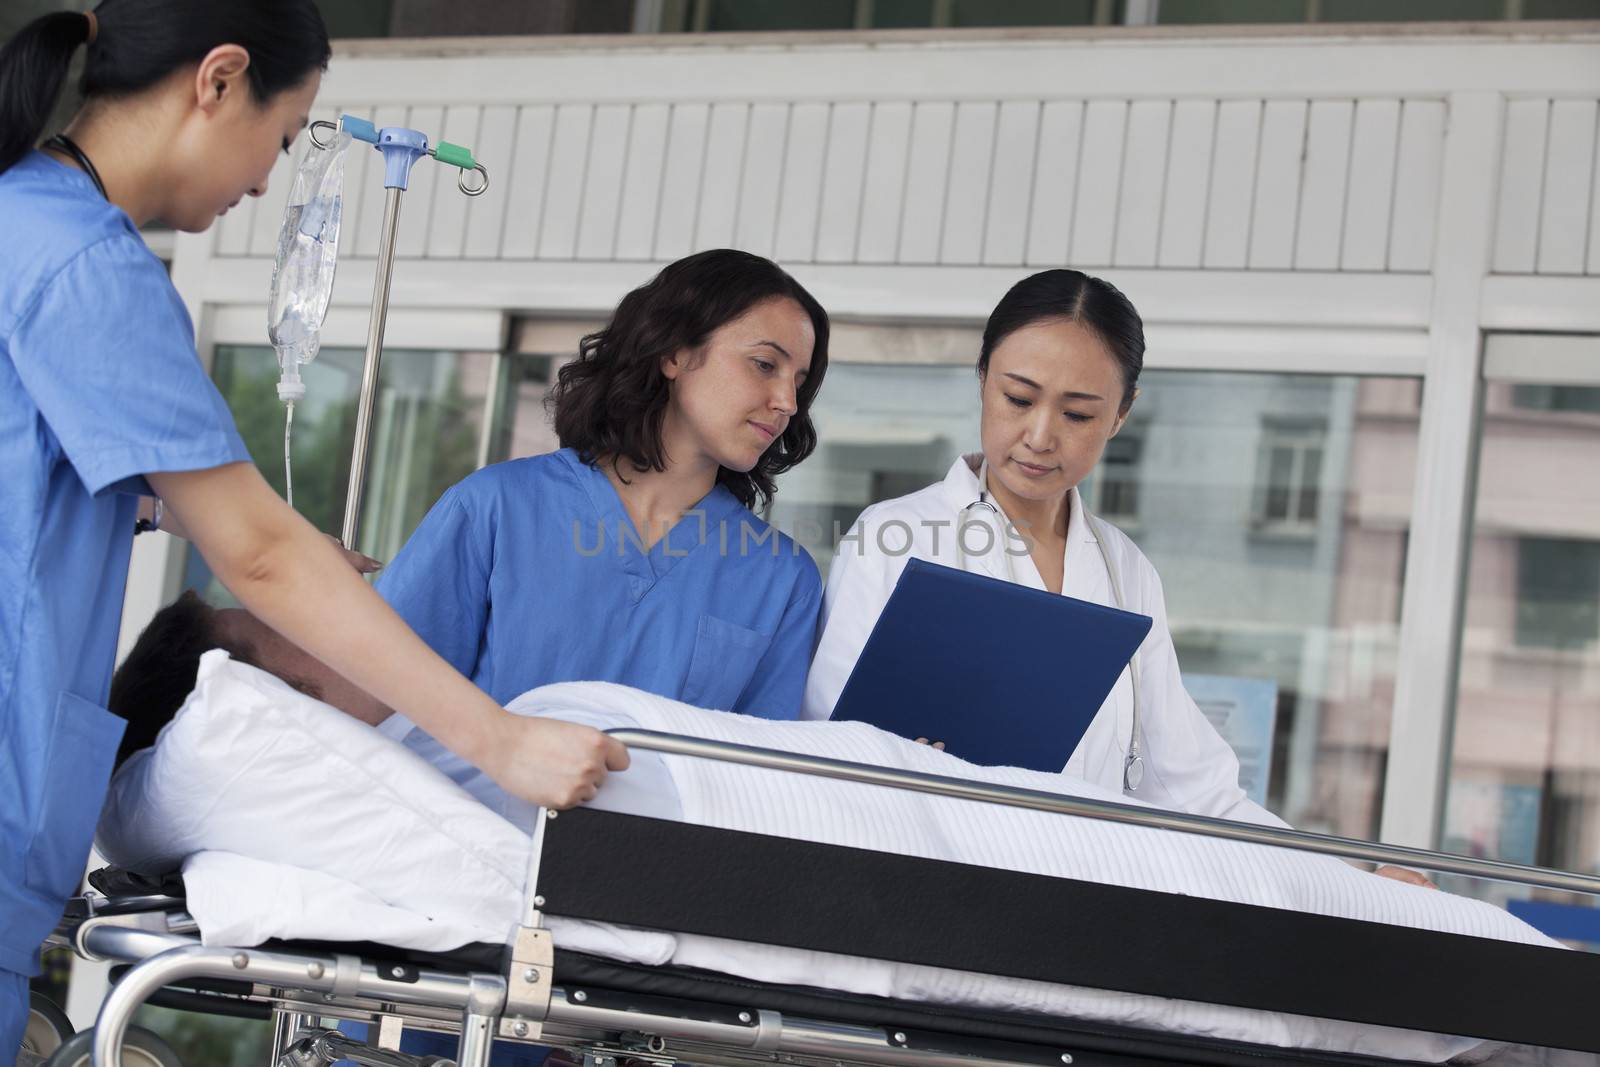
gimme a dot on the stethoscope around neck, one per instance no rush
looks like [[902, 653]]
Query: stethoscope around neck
[[1133, 764]]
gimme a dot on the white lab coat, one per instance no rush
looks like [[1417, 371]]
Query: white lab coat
[[1187, 765]]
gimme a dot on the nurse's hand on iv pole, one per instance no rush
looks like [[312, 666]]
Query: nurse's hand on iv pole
[[552, 763]]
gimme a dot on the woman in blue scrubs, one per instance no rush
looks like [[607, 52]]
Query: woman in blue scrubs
[[103, 401], [631, 555]]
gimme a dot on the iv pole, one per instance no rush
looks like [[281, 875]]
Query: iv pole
[[401, 148]]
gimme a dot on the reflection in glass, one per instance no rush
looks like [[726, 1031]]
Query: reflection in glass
[[1275, 508], [425, 437], [1525, 775]]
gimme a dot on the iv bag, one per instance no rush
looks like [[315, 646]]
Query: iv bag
[[308, 251]]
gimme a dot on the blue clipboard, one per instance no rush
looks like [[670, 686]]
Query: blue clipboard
[[1004, 675]]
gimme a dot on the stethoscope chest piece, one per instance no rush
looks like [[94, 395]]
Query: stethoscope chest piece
[[1133, 773]]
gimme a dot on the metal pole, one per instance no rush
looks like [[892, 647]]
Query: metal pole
[[369, 369], [1039, 800]]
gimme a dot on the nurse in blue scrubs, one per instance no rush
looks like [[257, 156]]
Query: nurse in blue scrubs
[[631, 555], [103, 403]]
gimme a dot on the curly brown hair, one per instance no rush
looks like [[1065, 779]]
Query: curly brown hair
[[612, 399]]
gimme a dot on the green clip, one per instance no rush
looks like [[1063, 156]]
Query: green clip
[[454, 155]]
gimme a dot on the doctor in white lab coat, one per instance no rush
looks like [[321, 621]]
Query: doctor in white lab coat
[[1058, 371]]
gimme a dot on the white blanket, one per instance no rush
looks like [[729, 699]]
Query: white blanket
[[327, 876]]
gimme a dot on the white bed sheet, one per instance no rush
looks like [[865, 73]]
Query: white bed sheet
[[326, 875]]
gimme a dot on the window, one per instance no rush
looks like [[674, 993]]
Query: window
[[1112, 491], [1558, 592], [440, 416], [1288, 476], [1525, 764], [883, 432], [1556, 398]]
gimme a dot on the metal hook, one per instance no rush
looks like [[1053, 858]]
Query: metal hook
[[474, 190], [311, 132]]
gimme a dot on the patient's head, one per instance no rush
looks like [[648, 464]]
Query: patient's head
[[159, 673]]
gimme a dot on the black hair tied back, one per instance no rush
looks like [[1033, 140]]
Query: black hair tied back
[[33, 64], [134, 44]]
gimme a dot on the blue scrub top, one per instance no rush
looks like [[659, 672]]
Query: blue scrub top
[[530, 572], [99, 385]]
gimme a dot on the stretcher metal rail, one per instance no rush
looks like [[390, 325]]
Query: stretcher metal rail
[[637, 871]]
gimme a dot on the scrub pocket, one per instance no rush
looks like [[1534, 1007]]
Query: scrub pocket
[[77, 768], [724, 661]]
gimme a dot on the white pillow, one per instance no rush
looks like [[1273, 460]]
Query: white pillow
[[253, 767]]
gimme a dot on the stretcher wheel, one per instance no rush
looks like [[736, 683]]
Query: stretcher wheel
[[140, 1048], [48, 1027]]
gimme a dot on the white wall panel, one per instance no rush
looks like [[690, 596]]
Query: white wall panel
[[1322, 192], [1568, 187], [884, 190], [842, 178], [641, 183], [1188, 185], [416, 205], [1594, 220], [447, 226], [495, 148], [764, 167], [1094, 216], [569, 172], [1416, 185], [927, 178], [802, 182], [1233, 179], [1144, 175], [1370, 201], [967, 199], [266, 214], [602, 187], [1277, 202], [724, 172], [680, 181], [1011, 182], [233, 229], [1516, 242], [1055, 183], [530, 170], [802, 195]]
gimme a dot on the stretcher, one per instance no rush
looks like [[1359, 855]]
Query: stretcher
[[635, 871]]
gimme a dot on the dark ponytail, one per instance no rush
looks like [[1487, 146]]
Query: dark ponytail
[[33, 64], [140, 42]]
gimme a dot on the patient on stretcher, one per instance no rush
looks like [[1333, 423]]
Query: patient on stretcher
[[292, 820], [158, 675]]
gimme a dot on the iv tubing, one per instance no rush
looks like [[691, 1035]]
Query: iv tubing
[[288, 468]]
